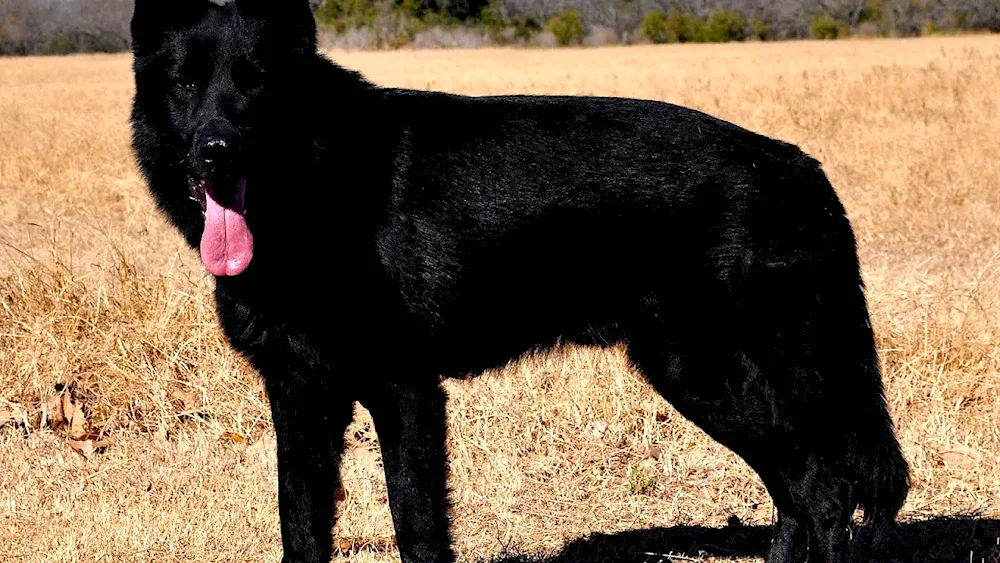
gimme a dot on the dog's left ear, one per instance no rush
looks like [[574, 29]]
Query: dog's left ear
[[290, 21]]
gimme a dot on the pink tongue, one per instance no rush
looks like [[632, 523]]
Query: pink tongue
[[226, 244]]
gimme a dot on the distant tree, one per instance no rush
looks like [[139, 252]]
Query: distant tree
[[458, 10], [567, 26], [342, 15], [683, 27], [759, 29], [464, 10], [654, 27], [825, 27], [724, 26], [906, 17]]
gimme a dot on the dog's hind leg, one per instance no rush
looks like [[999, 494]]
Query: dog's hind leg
[[309, 422], [724, 395], [410, 422], [789, 381]]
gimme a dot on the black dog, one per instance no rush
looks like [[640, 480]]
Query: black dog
[[369, 241]]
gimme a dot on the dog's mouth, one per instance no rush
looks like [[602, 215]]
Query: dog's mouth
[[197, 188], [226, 242]]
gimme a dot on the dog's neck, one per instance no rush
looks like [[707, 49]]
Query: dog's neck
[[334, 137]]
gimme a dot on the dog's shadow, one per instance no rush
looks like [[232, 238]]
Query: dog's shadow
[[945, 539]]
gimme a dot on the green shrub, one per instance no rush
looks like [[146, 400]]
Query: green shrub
[[399, 40], [59, 45], [499, 29], [437, 12], [759, 29], [654, 27], [725, 26], [525, 27], [342, 15], [871, 12], [683, 27], [411, 8], [567, 26], [960, 19], [825, 27], [491, 16], [469, 10]]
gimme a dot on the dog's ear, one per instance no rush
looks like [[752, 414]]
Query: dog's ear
[[151, 19], [291, 22]]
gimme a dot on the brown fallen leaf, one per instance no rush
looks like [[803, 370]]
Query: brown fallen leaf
[[74, 417], [189, 401], [52, 413], [66, 406], [86, 448], [340, 495], [959, 456], [232, 437]]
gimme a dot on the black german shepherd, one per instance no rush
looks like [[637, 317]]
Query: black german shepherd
[[368, 241]]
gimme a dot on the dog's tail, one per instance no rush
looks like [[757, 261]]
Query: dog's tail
[[874, 462], [880, 473]]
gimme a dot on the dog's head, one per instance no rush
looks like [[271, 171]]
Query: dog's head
[[204, 71]]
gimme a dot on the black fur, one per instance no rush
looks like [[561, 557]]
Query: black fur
[[401, 236]]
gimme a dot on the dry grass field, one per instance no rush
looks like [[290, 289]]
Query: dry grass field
[[130, 432]]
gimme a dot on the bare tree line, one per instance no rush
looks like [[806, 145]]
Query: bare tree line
[[786, 19], [64, 26]]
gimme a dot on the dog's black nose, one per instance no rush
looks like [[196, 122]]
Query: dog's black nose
[[217, 145]]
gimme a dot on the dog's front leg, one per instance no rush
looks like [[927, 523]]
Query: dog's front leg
[[410, 422], [309, 421]]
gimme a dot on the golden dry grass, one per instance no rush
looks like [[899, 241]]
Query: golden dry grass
[[100, 298]]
